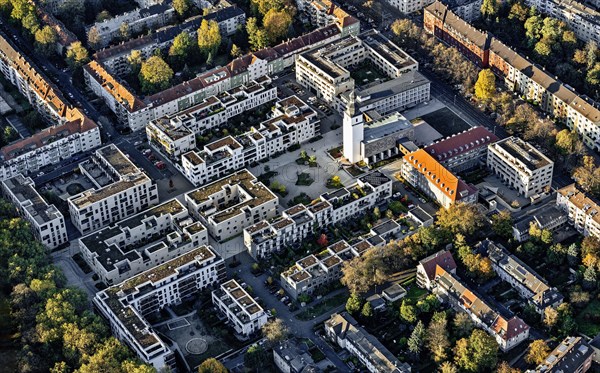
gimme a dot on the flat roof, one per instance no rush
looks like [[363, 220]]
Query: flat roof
[[385, 126], [30, 200], [524, 152]]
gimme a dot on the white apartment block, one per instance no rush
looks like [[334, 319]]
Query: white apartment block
[[583, 212], [127, 304], [296, 223], [520, 166], [425, 173], [344, 330], [229, 205], [325, 70], [175, 134], [120, 190], [469, 10], [142, 241], [523, 279], [409, 6], [136, 20], [324, 12], [582, 19], [244, 315], [291, 122], [47, 223]]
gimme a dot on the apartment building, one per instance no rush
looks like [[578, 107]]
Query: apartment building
[[120, 190], [229, 205], [47, 223], [522, 278], [520, 166], [136, 20], [322, 13], [343, 330], [426, 269], [547, 218], [425, 173], [326, 70], [582, 211], [409, 6], [582, 19], [127, 304], [243, 314], [463, 151], [573, 354], [474, 44], [291, 356], [136, 112], [469, 10], [292, 122], [142, 241]]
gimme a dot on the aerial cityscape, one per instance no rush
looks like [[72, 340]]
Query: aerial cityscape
[[299, 186]]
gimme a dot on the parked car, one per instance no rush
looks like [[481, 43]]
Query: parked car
[[422, 200]]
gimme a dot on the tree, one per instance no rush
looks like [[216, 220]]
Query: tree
[[448, 367], [103, 16], [408, 312], [437, 337], [538, 352], [94, 38], [155, 75], [212, 365], [587, 176], [45, 41], [277, 23], [135, 61], [181, 6], [124, 31], [181, 47], [235, 51], [460, 218], [255, 357], [573, 255], [550, 317], [485, 86], [502, 223], [504, 367], [367, 310], [566, 141], [376, 213], [353, 304], [462, 324], [30, 22], [533, 28], [589, 278], [275, 331], [257, 37], [416, 339], [322, 240], [77, 55], [478, 353], [489, 8], [519, 12], [264, 6], [209, 37]]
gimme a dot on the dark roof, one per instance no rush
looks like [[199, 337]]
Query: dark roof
[[442, 258], [455, 145]]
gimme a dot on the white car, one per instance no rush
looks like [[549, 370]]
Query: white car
[[137, 143]]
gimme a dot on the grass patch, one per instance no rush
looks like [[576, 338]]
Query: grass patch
[[324, 306], [588, 319], [304, 179], [415, 293]]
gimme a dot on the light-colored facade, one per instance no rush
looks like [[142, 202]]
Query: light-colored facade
[[344, 330], [127, 304], [548, 218], [243, 314], [120, 190], [409, 6], [292, 122], [521, 166], [47, 223], [325, 12], [425, 173], [573, 354], [141, 242], [229, 205], [427, 268], [582, 211]]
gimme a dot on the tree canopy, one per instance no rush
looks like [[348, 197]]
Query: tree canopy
[[77, 55], [212, 365], [209, 37], [485, 86], [277, 23], [477, 353], [155, 75]]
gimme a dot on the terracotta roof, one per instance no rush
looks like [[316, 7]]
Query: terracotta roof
[[508, 329], [581, 201], [442, 259], [114, 87], [455, 145], [438, 175]]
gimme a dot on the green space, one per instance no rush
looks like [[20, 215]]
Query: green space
[[588, 320], [8, 346], [366, 73], [322, 307], [446, 122]]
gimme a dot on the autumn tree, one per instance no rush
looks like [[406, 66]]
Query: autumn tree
[[437, 337], [489, 8], [235, 51], [275, 331], [182, 6], [461, 218], [155, 75], [538, 352], [502, 223], [462, 325], [485, 86], [77, 55], [504, 367], [135, 61], [257, 37], [587, 175], [124, 31], [93, 38], [212, 365], [45, 41], [264, 6], [181, 47], [277, 23], [209, 37], [448, 367], [477, 353]]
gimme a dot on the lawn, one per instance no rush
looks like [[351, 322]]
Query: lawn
[[588, 320], [415, 293], [324, 306], [446, 122]]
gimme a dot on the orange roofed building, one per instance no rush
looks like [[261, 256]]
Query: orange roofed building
[[425, 173]]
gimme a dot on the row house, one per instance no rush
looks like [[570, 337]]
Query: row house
[[127, 305], [142, 241], [582, 210], [47, 223], [424, 172], [573, 354], [120, 190], [229, 205], [426, 269], [243, 314]]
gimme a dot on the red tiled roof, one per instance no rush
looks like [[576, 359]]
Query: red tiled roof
[[463, 142], [511, 328], [442, 259]]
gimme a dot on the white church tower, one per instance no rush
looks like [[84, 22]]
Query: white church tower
[[353, 131]]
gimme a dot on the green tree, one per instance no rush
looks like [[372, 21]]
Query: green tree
[[462, 325], [181, 47], [155, 75], [181, 6], [533, 28], [478, 353], [485, 87], [45, 41], [257, 37], [276, 24], [589, 278], [31, 23], [460, 218], [255, 357], [408, 312], [502, 223], [212, 365], [367, 310], [209, 37], [77, 55], [353, 304], [538, 352], [416, 339]]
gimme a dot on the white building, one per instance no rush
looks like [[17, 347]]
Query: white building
[[427, 268], [409, 6], [47, 223], [291, 122], [244, 315], [127, 304], [425, 173], [141, 242], [573, 354], [521, 166], [344, 331], [229, 205], [120, 190], [324, 12], [582, 210]]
